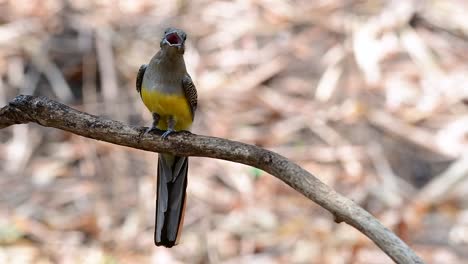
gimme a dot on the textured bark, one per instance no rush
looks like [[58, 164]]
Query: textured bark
[[40, 110]]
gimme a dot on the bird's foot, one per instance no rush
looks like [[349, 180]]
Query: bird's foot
[[147, 131], [165, 134]]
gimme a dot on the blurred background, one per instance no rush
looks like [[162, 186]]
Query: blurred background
[[369, 96]]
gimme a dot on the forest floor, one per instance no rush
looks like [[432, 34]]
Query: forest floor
[[369, 96]]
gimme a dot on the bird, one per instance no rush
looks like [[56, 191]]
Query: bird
[[167, 90]]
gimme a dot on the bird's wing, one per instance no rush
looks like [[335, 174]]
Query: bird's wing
[[139, 79], [190, 93]]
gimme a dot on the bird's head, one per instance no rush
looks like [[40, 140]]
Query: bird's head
[[173, 41]]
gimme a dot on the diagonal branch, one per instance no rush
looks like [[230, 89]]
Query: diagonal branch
[[24, 109]]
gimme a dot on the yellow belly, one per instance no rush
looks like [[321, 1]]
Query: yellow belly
[[167, 105]]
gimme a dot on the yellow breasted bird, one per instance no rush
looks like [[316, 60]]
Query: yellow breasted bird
[[170, 95]]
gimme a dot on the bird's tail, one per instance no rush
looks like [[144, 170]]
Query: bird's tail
[[170, 199]]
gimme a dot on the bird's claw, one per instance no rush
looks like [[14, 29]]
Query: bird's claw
[[165, 134], [148, 130]]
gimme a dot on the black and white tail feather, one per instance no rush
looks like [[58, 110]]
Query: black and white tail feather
[[170, 200]]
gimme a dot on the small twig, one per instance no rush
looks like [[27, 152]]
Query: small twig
[[391, 189], [437, 189], [258, 76], [55, 77], [10, 32], [410, 133], [106, 63], [437, 19], [24, 109]]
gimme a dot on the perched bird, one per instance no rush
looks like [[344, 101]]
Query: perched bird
[[169, 94]]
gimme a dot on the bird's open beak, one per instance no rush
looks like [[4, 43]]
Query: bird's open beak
[[173, 39]]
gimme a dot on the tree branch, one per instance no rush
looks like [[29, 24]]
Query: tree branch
[[24, 109]]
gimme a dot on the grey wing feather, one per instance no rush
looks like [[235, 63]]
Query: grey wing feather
[[139, 79], [190, 93]]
